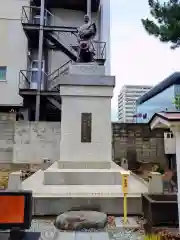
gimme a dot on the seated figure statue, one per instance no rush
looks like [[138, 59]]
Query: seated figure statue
[[86, 34]]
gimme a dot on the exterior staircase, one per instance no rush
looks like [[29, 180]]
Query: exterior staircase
[[58, 38], [54, 77], [54, 38]]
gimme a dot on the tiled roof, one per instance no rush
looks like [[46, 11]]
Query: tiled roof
[[170, 115]]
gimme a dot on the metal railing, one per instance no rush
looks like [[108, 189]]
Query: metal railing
[[99, 50], [25, 77], [31, 15], [53, 78], [24, 82], [64, 38]]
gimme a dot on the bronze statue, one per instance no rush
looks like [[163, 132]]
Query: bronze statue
[[86, 33]]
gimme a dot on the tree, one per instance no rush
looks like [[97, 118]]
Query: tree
[[165, 23], [176, 101]]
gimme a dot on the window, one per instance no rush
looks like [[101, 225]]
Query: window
[[3, 73]]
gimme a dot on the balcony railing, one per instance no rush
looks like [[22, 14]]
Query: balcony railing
[[24, 80], [28, 79], [53, 78], [31, 15], [99, 49]]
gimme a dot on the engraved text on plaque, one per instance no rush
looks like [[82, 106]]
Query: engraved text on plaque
[[86, 122]]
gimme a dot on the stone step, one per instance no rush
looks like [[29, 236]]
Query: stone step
[[84, 165], [44, 206], [82, 177]]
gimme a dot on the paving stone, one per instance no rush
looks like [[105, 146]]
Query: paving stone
[[123, 235], [131, 223], [45, 230], [67, 236], [91, 236]]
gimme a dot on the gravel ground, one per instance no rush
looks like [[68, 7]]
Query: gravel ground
[[43, 229], [48, 231]]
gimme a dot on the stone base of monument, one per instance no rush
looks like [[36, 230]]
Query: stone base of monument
[[84, 165], [82, 177], [85, 175], [112, 205], [51, 200], [82, 173]]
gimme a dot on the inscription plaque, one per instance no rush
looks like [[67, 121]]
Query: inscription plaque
[[86, 122]]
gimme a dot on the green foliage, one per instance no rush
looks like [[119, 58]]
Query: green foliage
[[165, 23], [176, 101]]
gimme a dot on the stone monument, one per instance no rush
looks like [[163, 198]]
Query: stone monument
[[86, 146], [85, 174]]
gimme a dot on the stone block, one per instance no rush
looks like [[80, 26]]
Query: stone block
[[43, 206], [86, 69], [131, 223], [84, 165], [82, 177], [14, 182]]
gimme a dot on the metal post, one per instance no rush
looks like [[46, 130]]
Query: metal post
[[40, 56], [89, 9]]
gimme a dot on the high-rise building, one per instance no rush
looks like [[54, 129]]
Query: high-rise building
[[127, 101], [27, 37]]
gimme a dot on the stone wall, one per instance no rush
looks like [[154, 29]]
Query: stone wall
[[7, 121], [29, 142], [138, 143], [34, 142]]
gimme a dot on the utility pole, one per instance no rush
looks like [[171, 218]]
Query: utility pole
[[40, 58], [89, 9]]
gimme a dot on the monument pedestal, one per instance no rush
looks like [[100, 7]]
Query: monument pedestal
[[86, 146], [85, 171], [82, 177]]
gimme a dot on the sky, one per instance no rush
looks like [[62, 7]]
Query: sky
[[136, 57]]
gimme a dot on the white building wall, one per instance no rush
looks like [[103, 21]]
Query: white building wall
[[13, 42], [13, 49]]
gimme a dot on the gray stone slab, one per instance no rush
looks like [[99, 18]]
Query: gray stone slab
[[91, 236], [45, 230], [79, 80], [111, 205], [99, 236], [131, 222], [123, 235], [67, 236]]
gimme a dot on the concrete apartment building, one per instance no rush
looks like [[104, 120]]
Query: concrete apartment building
[[127, 101], [19, 48]]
